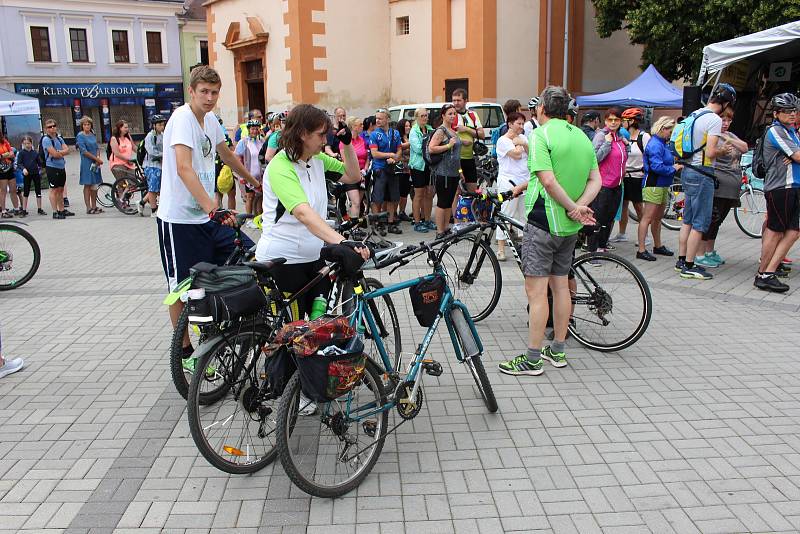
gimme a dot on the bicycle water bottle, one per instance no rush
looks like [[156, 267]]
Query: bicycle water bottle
[[318, 308]]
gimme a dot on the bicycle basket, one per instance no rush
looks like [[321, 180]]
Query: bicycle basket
[[426, 297], [223, 293]]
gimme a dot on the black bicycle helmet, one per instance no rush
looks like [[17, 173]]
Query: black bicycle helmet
[[572, 108], [157, 118], [724, 92], [533, 102], [253, 124], [785, 101]]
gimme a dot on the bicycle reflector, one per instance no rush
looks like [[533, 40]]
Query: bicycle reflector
[[233, 451]]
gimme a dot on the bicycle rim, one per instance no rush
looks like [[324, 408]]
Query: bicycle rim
[[750, 215], [123, 196], [105, 196], [612, 306], [19, 256], [313, 449], [673, 214], [236, 434], [465, 274]]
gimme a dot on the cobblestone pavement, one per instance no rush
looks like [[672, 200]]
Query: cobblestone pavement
[[693, 429]]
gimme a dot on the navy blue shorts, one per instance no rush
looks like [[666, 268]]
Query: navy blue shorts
[[182, 246]]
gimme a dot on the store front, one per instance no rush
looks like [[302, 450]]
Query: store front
[[105, 103]]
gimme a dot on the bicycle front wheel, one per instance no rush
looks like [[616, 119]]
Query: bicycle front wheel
[[330, 453], [673, 214], [475, 366], [123, 195], [465, 260], [751, 212], [105, 195], [19, 256], [612, 304], [236, 433]]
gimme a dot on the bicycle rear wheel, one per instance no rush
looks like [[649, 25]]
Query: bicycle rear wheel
[[236, 433], [124, 195], [673, 213], [105, 195], [465, 260], [19, 256], [612, 305], [751, 212], [329, 454], [181, 376]]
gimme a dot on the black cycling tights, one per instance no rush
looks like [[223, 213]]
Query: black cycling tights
[[292, 278]]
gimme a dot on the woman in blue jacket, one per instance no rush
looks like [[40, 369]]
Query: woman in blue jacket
[[659, 171]]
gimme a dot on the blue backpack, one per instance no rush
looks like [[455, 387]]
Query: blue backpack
[[681, 142]]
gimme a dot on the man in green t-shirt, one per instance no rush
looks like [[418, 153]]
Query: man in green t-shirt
[[564, 181]]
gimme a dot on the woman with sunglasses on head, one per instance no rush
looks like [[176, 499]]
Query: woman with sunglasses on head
[[422, 203], [611, 149], [447, 172]]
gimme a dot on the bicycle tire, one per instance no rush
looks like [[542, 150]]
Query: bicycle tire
[[105, 195], [673, 220], [242, 383], [632, 214], [741, 212], [123, 194], [478, 371], [372, 285], [36, 258], [289, 424], [602, 299], [461, 281], [180, 377]]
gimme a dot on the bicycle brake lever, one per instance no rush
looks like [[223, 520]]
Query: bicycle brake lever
[[400, 264]]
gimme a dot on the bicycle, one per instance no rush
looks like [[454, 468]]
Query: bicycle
[[124, 190], [330, 454], [752, 209], [612, 304], [20, 255], [105, 195], [234, 393], [673, 211]]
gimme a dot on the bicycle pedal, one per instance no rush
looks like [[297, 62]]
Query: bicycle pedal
[[432, 367], [369, 428]]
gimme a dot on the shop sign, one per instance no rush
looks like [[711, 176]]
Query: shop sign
[[88, 90]]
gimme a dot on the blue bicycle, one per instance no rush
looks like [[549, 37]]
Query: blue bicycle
[[330, 453]]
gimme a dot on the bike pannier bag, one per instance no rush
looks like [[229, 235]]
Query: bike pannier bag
[[223, 293], [426, 298], [279, 367]]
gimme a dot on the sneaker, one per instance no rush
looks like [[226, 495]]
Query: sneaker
[[67, 213], [190, 365], [154, 214], [442, 234], [430, 224], [715, 257], [11, 366], [394, 229], [662, 251], [782, 271], [421, 227], [705, 262], [646, 256], [521, 365], [306, 406], [770, 283], [405, 218], [66, 202], [58, 215], [501, 255], [680, 265], [697, 272], [40, 211], [140, 209], [558, 359], [787, 261], [619, 238], [381, 229]]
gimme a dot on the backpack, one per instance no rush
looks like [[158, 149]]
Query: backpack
[[108, 150], [681, 142], [431, 159], [42, 154], [496, 134], [759, 165], [141, 152]]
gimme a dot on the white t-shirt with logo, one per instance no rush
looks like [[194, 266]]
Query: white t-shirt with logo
[[177, 205], [704, 126], [510, 169]]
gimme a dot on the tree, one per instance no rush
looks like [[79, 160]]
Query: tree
[[674, 32]]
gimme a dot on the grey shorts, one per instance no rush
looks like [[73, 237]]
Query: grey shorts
[[544, 254]]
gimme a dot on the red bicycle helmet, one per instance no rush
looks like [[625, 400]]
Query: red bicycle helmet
[[633, 113]]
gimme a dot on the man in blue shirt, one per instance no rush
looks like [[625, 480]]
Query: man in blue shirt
[[782, 191], [55, 149], [384, 145]]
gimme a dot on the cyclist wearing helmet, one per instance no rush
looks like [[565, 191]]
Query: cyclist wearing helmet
[[781, 187], [572, 111], [278, 120], [154, 151], [632, 183], [532, 123], [697, 180]]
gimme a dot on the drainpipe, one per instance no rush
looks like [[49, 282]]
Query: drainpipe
[[566, 44], [547, 48]]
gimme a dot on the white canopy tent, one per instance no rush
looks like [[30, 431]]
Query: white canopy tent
[[717, 56], [14, 104]]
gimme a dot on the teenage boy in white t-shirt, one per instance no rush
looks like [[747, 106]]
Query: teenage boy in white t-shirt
[[190, 227]]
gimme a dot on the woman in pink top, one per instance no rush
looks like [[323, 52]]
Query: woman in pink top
[[123, 154], [362, 152], [611, 150]]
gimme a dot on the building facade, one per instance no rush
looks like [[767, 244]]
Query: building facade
[[363, 55], [109, 60], [193, 38]]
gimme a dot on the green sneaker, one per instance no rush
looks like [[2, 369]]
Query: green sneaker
[[522, 366], [706, 262], [558, 359], [190, 364], [715, 257]]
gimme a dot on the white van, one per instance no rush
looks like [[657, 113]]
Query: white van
[[490, 114]]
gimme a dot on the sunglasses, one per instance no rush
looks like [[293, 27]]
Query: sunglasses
[[206, 146], [381, 110], [51, 126], [787, 110]]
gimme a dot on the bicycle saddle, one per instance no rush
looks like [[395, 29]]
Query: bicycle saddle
[[264, 267]]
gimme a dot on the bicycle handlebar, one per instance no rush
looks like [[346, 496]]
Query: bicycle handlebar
[[426, 246]]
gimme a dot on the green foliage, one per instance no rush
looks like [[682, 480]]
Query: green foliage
[[674, 32]]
